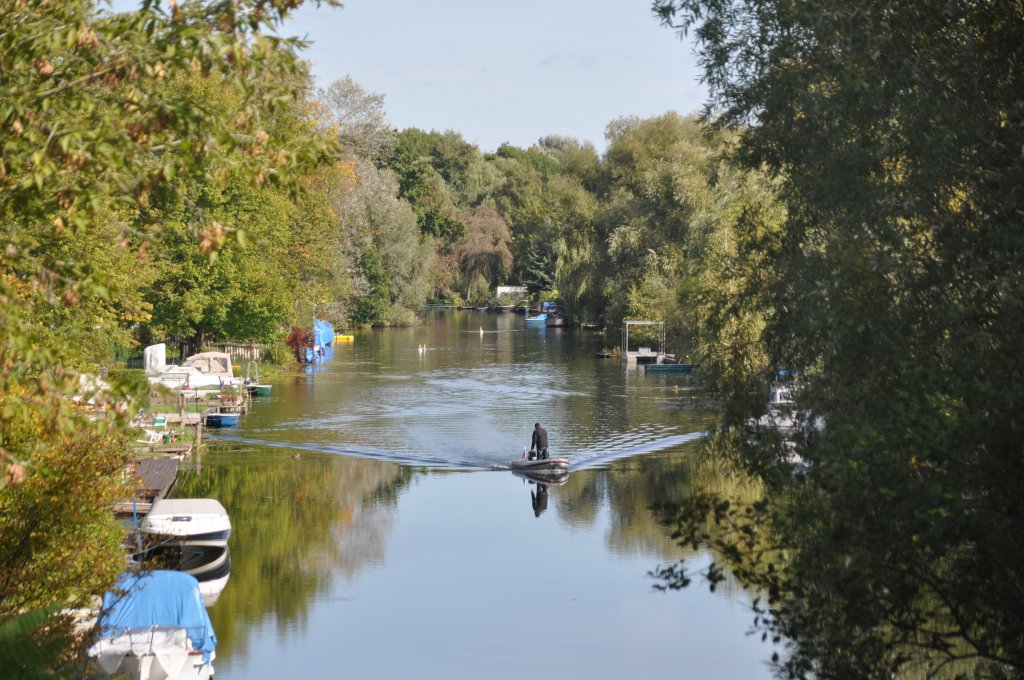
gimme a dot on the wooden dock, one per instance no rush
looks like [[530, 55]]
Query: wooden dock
[[155, 478]]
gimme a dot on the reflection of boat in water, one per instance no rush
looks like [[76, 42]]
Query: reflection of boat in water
[[543, 467], [189, 535], [550, 479], [209, 564], [542, 474], [154, 626]]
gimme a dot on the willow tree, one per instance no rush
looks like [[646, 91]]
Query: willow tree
[[88, 140], [895, 131]]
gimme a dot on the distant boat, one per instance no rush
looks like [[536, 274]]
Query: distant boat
[[154, 626], [222, 416], [206, 369], [540, 319], [668, 368]]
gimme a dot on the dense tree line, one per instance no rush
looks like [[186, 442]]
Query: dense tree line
[[887, 272]]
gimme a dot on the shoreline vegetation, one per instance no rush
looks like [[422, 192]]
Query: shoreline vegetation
[[849, 214]]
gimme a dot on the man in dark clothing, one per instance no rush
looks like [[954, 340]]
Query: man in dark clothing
[[539, 441]]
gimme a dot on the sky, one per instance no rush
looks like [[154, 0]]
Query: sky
[[505, 71], [501, 72]]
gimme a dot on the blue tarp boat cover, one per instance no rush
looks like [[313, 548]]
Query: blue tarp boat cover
[[159, 598], [323, 333]]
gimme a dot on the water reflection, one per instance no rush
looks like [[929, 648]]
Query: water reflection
[[368, 520], [298, 523], [539, 488]]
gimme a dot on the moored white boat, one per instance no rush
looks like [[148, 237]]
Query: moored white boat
[[192, 521], [154, 626], [206, 369]]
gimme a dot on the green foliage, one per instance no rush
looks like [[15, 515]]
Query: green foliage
[[540, 267], [373, 306], [892, 282], [109, 124], [27, 649], [425, 164]]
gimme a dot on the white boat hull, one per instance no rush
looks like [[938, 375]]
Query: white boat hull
[[156, 653], [195, 521]]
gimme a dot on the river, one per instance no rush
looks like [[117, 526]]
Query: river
[[377, 532]]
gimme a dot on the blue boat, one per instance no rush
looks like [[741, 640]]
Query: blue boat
[[323, 333], [540, 319], [217, 416], [154, 625]]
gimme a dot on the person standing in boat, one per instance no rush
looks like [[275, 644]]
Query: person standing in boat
[[539, 441]]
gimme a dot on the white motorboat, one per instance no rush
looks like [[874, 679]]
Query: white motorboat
[[203, 370], [192, 521], [189, 535], [154, 626]]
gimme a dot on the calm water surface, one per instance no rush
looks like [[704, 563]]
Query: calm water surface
[[377, 535]]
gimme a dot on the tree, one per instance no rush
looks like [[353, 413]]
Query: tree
[[894, 131], [483, 252], [373, 305], [90, 136], [362, 125]]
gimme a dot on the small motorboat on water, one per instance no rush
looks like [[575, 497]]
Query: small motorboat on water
[[541, 466]]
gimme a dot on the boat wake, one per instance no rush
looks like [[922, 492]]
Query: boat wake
[[594, 459], [580, 459], [375, 454]]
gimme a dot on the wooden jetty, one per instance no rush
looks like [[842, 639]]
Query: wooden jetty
[[155, 478]]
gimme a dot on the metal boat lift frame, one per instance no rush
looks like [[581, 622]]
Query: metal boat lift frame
[[643, 355]]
